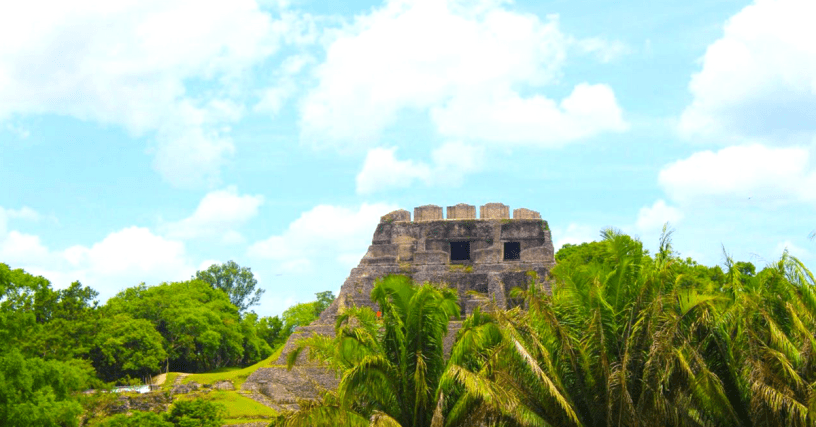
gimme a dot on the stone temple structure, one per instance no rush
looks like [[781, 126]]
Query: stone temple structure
[[490, 254]]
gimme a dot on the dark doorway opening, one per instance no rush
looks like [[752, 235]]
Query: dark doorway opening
[[460, 251], [512, 250]]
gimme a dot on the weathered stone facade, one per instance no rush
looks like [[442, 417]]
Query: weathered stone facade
[[422, 249], [490, 255]]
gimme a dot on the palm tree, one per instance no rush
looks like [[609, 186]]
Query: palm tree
[[765, 347], [614, 345], [390, 366]]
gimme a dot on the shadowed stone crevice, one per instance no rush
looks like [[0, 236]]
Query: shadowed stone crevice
[[490, 255]]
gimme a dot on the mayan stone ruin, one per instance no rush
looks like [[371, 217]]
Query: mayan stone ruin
[[490, 254]]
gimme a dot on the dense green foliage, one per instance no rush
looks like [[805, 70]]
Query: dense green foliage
[[55, 343], [196, 413], [200, 327], [137, 419], [37, 392], [390, 366], [623, 339], [184, 413], [238, 282], [37, 374], [305, 313]]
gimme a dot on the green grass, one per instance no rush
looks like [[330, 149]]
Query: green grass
[[239, 407], [237, 375], [169, 380]]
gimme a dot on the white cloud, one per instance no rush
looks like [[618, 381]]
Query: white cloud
[[18, 248], [453, 160], [381, 171], [203, 265], [24, 213], [122, 259], [652, 218], [507, 118], [455, 59], [450, 163], [742, 172], [759, 79], [128, 62], [216, 216], [273, 98], [133, 252], [325, 233], [573, 234], [604, 50]]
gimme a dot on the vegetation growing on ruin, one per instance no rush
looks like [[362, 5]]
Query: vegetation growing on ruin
[[461, 268], [56, 343], [626, 338]]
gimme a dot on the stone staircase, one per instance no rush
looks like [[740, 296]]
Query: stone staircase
[[280, 388]]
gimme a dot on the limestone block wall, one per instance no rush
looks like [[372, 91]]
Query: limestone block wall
[[427, 213], [522, 213], [494, 211], [462, 211], [422, 250]]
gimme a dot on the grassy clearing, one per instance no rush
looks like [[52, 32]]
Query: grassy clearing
[[236, 375], [239, 407]]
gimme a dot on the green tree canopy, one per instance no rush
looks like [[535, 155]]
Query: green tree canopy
[[196, 413], [300, 314], [238, 282], [324, 300], [124, 346], [200, 326], [37, 392]]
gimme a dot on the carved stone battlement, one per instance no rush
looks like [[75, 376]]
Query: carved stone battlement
[[462, 211]]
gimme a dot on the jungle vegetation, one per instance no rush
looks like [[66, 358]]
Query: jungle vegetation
[[56, 343], [624, 338], [615, 336]]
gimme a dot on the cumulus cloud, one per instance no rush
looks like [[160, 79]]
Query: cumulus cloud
[[24, 213], [324, 233], [381, 170], [134, 253], [123, 258], [573, 234], [604, 50], [450, 163], [505, 117], [458, 61], [273, 98], [652, 218], [742, 172], [128, 64], [217, 216], [759, 79], [17, 247]]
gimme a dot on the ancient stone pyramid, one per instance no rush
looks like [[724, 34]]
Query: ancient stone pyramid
[[490, 255]]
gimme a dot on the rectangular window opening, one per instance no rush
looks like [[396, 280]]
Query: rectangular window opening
[[512, 250], [460, 251]]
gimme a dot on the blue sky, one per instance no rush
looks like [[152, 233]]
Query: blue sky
[[142, 141]]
